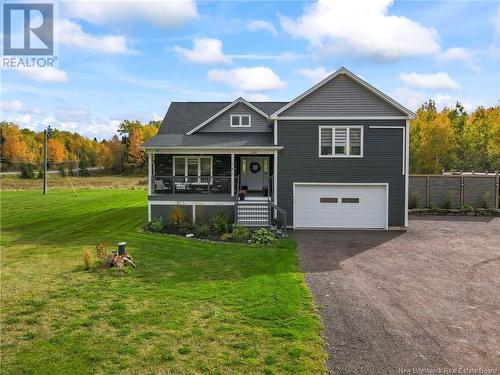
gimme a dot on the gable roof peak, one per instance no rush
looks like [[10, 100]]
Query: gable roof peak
[[355, 78], [229, 106]]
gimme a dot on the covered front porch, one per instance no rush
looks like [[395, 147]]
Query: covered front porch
[[198, 175]]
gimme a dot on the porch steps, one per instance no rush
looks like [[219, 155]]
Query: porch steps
[[253, 213]]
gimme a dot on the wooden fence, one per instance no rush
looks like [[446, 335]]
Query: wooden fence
[[455, 190]]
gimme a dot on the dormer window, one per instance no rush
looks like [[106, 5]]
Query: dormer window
[[240, 121]]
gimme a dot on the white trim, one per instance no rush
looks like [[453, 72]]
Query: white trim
[[232, 174], [239, 100], [248, 150], [355, 78], [199, 157], [342, 118], [404, 157], [240, 116], [193, 212], [275, 129], [385, 184], [149, 211], [275, 178], [150, 174], [189, 203], [348, 141], [407, 164]]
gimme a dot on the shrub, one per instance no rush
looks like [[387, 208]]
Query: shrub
[[240, 233], [467, 207], [27, 171], [413, 203], [486, 199], [226, 237], [87, 260], [40, 174], [219, 223], [156, 225], [263, 236], [202, 230], [100, 251], [177, 216]]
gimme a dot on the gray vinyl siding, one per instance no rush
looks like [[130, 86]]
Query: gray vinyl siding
[[381, 161], [341, 96], [222, 123]]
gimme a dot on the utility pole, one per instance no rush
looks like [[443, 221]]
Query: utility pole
[[46, 133]]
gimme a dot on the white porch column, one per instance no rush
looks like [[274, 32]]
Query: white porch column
[[150, 174], [275, 178], [232, 175]]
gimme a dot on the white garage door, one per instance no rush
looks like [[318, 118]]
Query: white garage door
[[340, 206]]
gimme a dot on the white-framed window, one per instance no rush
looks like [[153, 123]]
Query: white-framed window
[[192, 166], [340, 141], [241, 121]]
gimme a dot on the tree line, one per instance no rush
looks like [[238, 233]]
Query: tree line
[[454, 140], [71, 151]]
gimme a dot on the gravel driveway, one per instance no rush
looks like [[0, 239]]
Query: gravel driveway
[[422, 300]]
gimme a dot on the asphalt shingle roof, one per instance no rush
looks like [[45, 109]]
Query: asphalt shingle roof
[[181, 117]]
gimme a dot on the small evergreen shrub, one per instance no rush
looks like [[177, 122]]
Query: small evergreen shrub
[[263, 236], [240, 233], [27, 171], [156, 225], [87, 260], [219, 223], [177, 217], [202, 230]]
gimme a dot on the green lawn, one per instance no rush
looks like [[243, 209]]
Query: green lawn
[[189, 308]]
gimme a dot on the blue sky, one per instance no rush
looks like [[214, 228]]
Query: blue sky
[[129, 60]]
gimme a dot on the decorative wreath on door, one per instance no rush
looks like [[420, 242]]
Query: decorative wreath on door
[[254, 167]]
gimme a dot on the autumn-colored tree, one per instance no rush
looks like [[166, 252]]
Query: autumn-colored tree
[[482, 138], [431, 140], [55, 151], [13, 147], [135, 155]]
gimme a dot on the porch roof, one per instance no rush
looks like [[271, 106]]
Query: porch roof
[[211, 140]]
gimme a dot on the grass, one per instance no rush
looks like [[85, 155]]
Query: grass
[[189, 308], [56, 181]]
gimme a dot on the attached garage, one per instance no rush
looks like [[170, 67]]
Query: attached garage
[[340, 205]]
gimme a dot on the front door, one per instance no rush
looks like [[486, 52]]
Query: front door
[[252, 172]]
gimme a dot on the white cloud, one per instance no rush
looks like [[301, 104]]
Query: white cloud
[[261, 25], [413, 99], [467, 57], [158, 12], [434, 81], [205, 51], [363, 28], [315, 75], [258, 78], [48, 74], [71, 34], [12, 106]]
